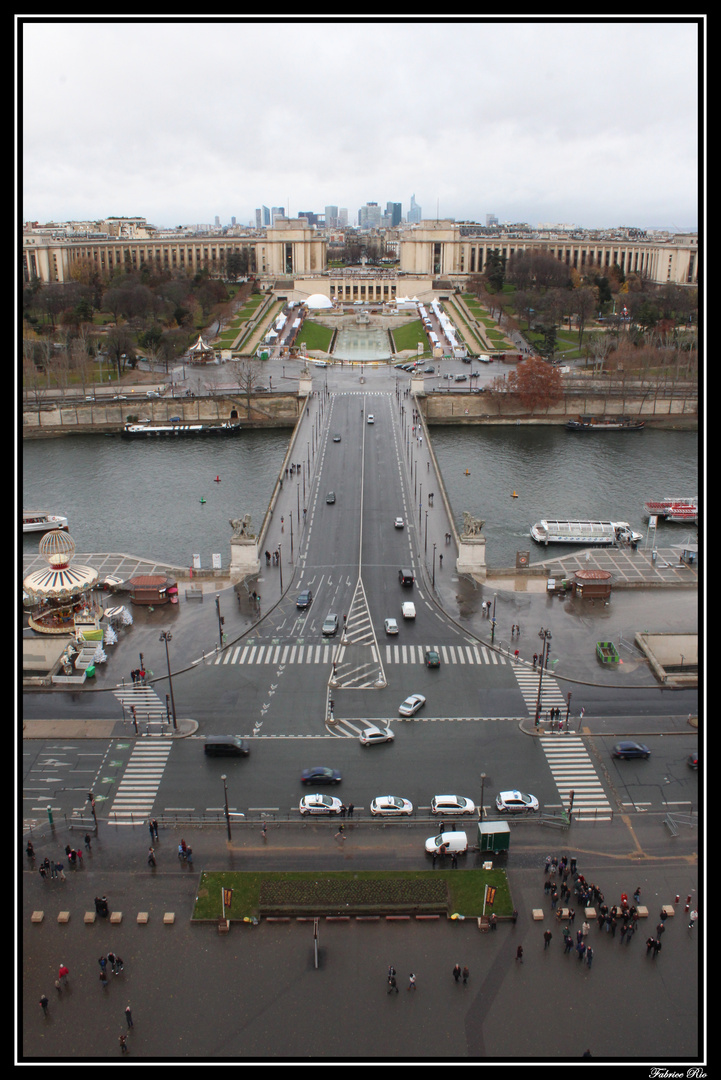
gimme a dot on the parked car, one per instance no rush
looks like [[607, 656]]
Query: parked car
[[630, 750], [411, 705], [454, 843], [373, 734], [330, 626], [319, 804], [320, 774], [452, 804], [305, 599], [432, 658], [391, 806], [515, 802]]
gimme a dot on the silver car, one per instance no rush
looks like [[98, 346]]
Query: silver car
[[452, 804], [373, 734]]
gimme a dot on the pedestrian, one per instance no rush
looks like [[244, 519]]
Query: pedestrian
[[123, 1040], [103, 980], [340, 835], [649, 944], [102, 960], [494, 922], [79, 857], [629, 933], [111, 958], [189, 856], [554, 900], [516, 655], [119, 965], [466, 973], [691, 919], [637, 895], [585, 928], [44, 1005], [150, 829], [589, 955], [30, 850], [392, 985], [411, 981], [61, 871], [519, 953], [343, 810], [128, 1016], [454, 861], [580, 949], [624, 931], [547, 938], [457, 972], [547, 867], [63, 975], [568, 943], [87, 841], [151, 857], [574, 864], [351, 808], [535, 660], [264, 830], [155, 828], [656, 948]]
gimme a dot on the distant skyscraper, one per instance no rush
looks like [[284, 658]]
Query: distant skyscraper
[[394, 212], [415, 212], [276, 212], [266, 215], [491, 219], [331, 217], [217, 221], [343, 217], [369, 216]]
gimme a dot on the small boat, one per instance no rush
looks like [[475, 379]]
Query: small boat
[[600, 533], [135, 431], [680, 510], [39, 521], [604, 423]]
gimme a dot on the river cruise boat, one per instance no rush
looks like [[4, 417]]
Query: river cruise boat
[[39, 521], [605, 423], [177, 430], [680, 510], [601, 533]]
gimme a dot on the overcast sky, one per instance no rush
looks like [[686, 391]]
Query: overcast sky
[[595, 124]]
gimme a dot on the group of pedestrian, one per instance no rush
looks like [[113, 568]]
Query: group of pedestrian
[[347, 809], [486, 609], [515, 630], [115, 962], [138, 675], [461, 974], [51, 870], [185, 853]]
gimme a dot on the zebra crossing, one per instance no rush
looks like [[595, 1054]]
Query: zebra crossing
[[137, 789], [573, 771], [551, 696], [301, 653], [143, 700]]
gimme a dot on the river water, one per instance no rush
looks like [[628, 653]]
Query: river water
[[143, 498]]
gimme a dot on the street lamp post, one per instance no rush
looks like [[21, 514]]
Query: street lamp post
[[166, 636], [434, 566], [493, 620], [280, 566], [227, 814], [220, 620], [546, 636], [483, 788]]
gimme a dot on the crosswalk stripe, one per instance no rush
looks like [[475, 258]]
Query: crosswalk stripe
[[573, 771], [394, 654]]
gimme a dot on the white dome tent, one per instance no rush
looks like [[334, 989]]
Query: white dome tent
[[317, 302]]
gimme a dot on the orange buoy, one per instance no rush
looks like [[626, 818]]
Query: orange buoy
[[467, 472], [514, 496], [217, 479]]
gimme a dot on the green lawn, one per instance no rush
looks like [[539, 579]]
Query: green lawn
[[465, 890], [315, 336], [408, 336]]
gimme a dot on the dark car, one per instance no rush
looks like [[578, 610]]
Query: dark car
[[432, 658], [320, 774], [226, 746], [692, 761], [305, 599], [630, 750], [330, 497]]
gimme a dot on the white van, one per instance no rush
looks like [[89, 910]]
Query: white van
[[456, 843], [320, 363], [409, 611]]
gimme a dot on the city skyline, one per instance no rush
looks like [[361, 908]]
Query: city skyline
[[588, 123]]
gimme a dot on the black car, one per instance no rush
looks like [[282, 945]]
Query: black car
[[305, 599], [631, 750], [226, 746], [320, 774]]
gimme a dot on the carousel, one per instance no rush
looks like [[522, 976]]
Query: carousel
[[57, 595]]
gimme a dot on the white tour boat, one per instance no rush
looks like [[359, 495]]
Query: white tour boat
[[584, 532], [39, 521]]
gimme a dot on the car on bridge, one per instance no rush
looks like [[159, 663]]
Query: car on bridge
[[391, 806], [319, 804], [320, 774]]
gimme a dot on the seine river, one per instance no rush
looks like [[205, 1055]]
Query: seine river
[[144, 498]]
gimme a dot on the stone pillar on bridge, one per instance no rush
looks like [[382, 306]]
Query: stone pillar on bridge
[[472, 548], [244, 560]]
